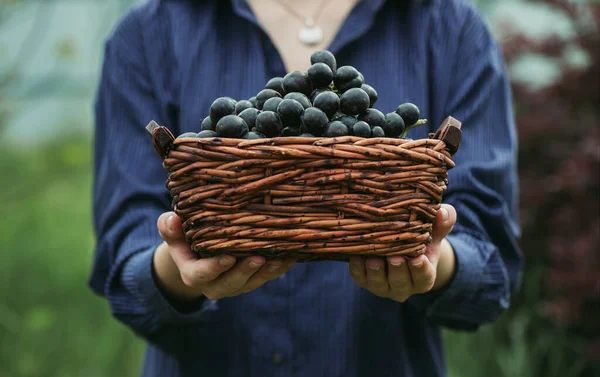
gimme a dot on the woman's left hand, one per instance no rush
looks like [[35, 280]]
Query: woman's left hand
[[404, 277]]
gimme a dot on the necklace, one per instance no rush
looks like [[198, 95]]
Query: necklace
[[310, 34]]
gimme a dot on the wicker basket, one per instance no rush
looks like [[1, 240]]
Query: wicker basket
[[308, 198]]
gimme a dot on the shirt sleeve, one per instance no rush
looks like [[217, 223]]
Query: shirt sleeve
[[129, 190], [482, 188]]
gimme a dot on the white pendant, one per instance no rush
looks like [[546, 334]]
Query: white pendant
[[310, 34]]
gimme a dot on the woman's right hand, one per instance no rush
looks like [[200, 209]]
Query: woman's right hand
[[183, 276]]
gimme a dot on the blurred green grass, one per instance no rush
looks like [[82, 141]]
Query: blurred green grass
[[52, 325]]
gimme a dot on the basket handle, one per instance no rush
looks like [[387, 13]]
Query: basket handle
[[162, 138], [450, 133]]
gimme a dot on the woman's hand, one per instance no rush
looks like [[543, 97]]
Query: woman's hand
[[405, 277], [183, 276]]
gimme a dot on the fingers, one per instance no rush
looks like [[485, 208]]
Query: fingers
[[232, 282], [356, 266], [270, 271], [422, 273], [377, 280], [169, 227], [399, 278], [444, 222]]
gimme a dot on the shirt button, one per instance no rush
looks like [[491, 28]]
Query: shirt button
[[277, 358]]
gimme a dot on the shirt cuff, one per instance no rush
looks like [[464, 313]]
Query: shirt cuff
[[138, 277], [449, 306]]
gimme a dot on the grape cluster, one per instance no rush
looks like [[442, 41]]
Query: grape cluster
[[324, 101]]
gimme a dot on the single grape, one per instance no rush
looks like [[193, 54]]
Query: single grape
[[187, 135], [268, 123], [361, 129], [243, 105], [324, 57], [252, 101], [377, 132], [327, 101], [347, 77], [394, 125], [320, 75], [371, 92], [316, 92], [303, 99], [335, 129], [263, 96], [221, 107], [275, 84], [232, 126], [252, 135], [207, 124], [297, 82], [272, 103], [409, 112], [290, 131], [206, 134], [314, 120], [373, 117], [290, 112], [306, 134], [348, 120], [354, 101], [249, 116]]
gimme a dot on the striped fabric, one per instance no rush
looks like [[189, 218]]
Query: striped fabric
[[167, 60]]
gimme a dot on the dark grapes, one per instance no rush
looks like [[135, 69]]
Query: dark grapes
[[275, 84], [249, 116], [324, 57], [297, 82], [347, 77], [207, 124], [394, 125], [320, 75], [377, 132], [327, 101], [373, 117], [187, 135], [348, 120], [252, 135], [290, 131], [409, 112], [232, 126], [371, 92], [306, 134], [263, 96], [316, 92], [252, 101], [335, 129], [272, 103], [361, 129], [314, 121], [206, 134], [290, 112], [243, 105], [354, 101], [268, 123], [300, 98], [221, 107]]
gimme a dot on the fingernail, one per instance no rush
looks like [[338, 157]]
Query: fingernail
[[396, 263], [226, 261], [272, 267], [375, 268], [253, 264], [418, 265], [170, 222], [444, 213]]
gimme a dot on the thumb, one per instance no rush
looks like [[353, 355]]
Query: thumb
[[444, 222], [169, 227]]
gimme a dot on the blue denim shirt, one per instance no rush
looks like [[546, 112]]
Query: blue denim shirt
[[167, 61]]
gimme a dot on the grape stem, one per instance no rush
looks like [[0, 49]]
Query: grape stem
[[418, 123]]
